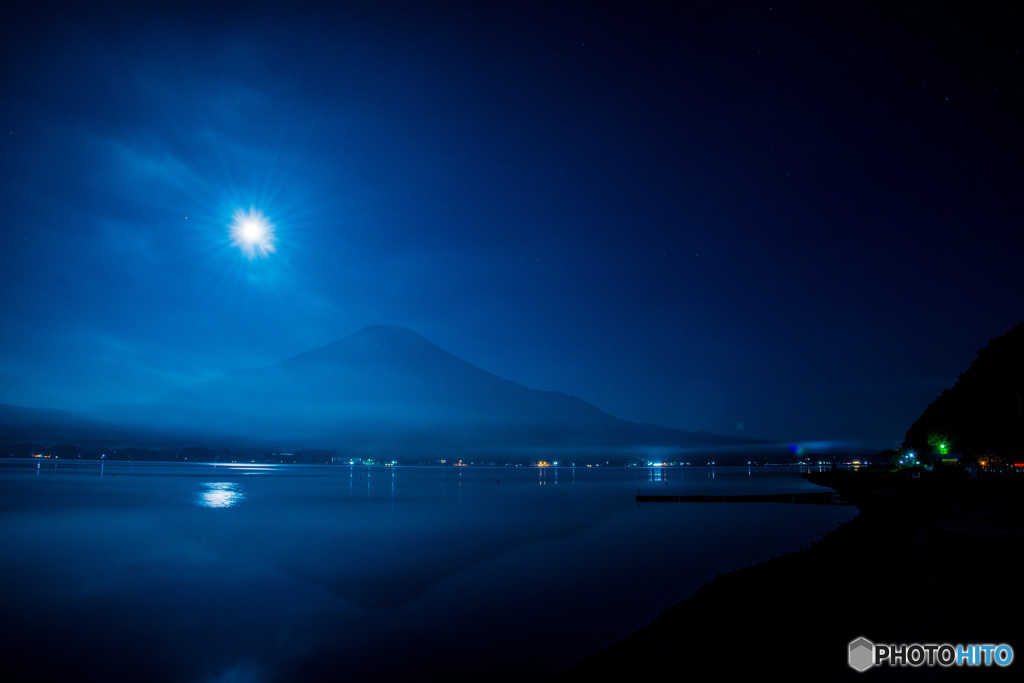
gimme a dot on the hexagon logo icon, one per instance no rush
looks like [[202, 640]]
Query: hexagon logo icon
[[862, 654]]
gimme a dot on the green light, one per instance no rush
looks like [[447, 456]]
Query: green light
[[941, 443]]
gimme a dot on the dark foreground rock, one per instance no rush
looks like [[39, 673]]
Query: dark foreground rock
[[933, 559]]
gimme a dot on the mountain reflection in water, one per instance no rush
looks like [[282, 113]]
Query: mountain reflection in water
[[311, 573]]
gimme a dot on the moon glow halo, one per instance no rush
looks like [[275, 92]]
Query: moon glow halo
[[253, 233]]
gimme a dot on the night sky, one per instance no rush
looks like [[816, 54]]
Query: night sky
[[794, 222]]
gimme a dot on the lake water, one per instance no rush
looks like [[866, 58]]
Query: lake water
[[188, 572]]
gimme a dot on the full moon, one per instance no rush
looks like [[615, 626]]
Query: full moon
[[253, 233]]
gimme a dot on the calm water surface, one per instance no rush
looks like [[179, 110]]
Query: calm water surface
[[182, 572]]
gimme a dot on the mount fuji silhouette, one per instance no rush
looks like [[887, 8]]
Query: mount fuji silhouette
[[379, 389]]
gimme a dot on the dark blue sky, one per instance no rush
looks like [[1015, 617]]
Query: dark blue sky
[[768, 220]]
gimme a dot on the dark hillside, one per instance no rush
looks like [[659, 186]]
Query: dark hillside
[[983, 413]]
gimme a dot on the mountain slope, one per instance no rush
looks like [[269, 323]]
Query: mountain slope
[[983, 413], [384, 388]]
